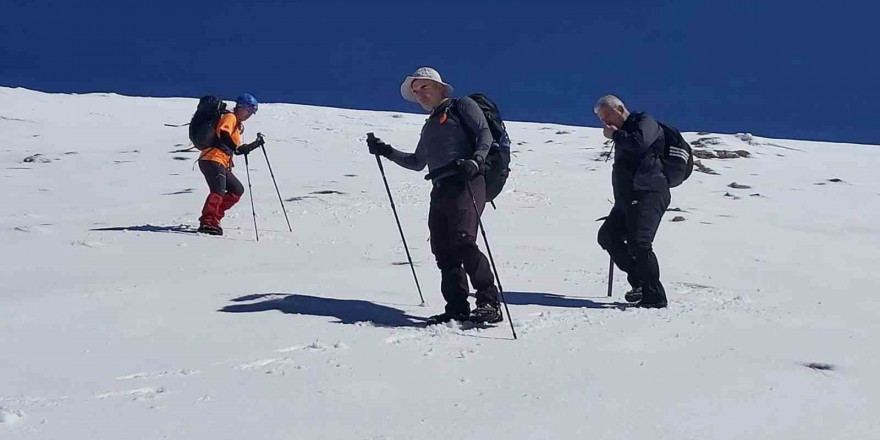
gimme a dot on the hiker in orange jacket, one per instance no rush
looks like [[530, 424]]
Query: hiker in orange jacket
[[216, 164]]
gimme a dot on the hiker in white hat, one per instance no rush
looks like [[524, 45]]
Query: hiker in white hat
[[426, 87], [454, 143]]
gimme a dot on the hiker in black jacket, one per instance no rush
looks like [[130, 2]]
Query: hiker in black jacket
[[453, 159], [641, 196]]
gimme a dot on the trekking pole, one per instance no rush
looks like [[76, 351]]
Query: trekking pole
[[263, 147], [610, 265], [491, 260], [247, 169], [399, 228], [610, 275]]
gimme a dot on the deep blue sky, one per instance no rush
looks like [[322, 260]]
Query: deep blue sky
[[795, 69]]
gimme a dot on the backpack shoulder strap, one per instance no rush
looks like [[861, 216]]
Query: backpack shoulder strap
[[455, 110]]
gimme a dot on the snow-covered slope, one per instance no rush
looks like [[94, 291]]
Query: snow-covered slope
[[146, 333]]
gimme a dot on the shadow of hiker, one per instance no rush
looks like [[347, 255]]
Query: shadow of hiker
[[149, 228], [346, 311], [555, 300]]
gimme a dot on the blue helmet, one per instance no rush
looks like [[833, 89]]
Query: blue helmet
[[247, 101]]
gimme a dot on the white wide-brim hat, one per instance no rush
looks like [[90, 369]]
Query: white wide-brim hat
[[422, 73]]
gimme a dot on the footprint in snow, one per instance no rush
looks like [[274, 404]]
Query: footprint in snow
[[184, 150], [30, 229], [316, 346], [299, 198], [259, 363], [183, 191], [158, 374], [87, 244], [819, 366], [37, 158], [735, 185], [147, 393], [464, 354], [9, 118], [10, 416], [277, 366], [834, 180]]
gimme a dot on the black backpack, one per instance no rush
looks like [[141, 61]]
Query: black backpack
[[498, 159], [203, 125], [677, 158]]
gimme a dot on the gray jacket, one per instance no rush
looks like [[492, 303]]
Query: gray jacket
[[445, 139]]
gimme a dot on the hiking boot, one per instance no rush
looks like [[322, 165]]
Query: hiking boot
[[652, 303], [448, 316], [210, 230], [488, 313], [634, 295]]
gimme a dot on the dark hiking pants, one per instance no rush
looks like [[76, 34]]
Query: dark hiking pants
[[225, 191], [453, 225], [628, 236]]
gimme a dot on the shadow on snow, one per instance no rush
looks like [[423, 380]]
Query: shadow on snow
[[352, 311], [556, 300], [345, 311], [149, 228]]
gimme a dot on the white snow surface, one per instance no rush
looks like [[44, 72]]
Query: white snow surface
[[318, 334]]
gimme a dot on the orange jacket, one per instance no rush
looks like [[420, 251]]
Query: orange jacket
[[228, 123]]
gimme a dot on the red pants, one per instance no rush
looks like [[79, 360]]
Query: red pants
[[226, 191]]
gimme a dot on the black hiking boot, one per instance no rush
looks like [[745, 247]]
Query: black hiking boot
[[653, 303], [489, 313], [634, 295], [448, 316], [210, 230]]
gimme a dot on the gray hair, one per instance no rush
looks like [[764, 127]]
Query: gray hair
[[609, 101]]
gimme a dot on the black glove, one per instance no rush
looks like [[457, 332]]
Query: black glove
[[247, 148], [378, 147], [468, 168]]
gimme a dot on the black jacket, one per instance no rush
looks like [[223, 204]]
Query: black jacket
[[637, 167]]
